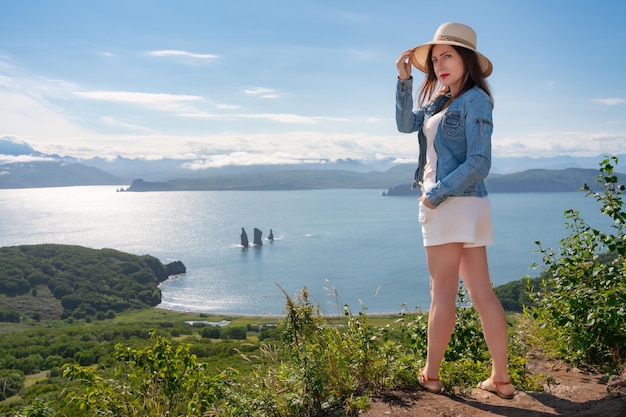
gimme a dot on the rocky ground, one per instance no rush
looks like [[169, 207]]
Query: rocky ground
[[571, 392]]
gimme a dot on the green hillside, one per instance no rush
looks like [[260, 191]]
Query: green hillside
[[51, 280]]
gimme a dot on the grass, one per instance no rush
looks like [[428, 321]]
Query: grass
[[157, 315], [31, 380]]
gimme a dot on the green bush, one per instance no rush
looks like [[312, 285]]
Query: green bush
[[330, 368], [239, 332], [11, 382], [10, 316], [580, 310], [30, 364], [161, 380], [37, 408], [211, 332]]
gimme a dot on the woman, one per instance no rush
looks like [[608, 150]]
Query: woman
[[454, 132]]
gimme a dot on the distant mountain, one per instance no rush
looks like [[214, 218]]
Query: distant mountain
[[512, 165], [294, 179], [529, 181], [10, 145], [544, 180], [47, 170], [155, 170], [167, 169], [38, 174]]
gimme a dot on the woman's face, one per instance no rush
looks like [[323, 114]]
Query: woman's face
[[448, 66]]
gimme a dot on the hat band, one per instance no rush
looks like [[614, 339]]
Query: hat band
[[458, 40]]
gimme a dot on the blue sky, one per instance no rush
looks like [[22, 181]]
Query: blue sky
[[244, 82]]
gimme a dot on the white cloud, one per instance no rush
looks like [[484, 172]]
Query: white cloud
[[362, 55], [22, 158], [184, 54], [610, 101], [239, 158], [262, 92], [135, 97], [547, 144], [281, 118], [28, 116], [111, 121], [160, 101], [227, 106], [292, 118], [197, 114], [275, 117], [7, 81]]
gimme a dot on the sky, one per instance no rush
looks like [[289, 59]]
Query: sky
[[269, 82]]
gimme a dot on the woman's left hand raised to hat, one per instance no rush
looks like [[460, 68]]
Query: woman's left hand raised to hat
[[404, 64]]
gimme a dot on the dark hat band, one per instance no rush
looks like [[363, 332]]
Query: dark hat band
[[457, 40]]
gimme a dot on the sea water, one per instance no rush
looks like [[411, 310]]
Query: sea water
[[346, 247]]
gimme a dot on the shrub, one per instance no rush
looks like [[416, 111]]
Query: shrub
[[320, 370], [239, 332], [580, 309], [11, 382], [211, 332], [37, 408], [30, 364], [10, 316], [155, 381]]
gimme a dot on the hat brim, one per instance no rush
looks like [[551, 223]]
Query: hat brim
[[420, 56]]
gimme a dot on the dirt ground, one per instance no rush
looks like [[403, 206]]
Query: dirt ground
[[571, 392]]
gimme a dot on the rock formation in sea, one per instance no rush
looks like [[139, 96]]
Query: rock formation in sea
[[258, 237], [175, 268], [244, 238], [140, 185], [271, 235]]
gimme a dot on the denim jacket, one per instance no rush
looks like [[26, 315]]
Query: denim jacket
[[462, 142]]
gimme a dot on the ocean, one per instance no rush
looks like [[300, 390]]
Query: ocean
[[347, 247]]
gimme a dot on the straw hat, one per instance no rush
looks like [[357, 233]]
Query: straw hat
[[456, 34]]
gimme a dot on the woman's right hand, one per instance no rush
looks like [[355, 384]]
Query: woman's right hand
[[404, 64]]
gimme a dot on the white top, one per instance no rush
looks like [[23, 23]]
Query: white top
[[430, 169]]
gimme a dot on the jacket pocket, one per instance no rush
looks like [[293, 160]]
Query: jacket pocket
[[452, 124]]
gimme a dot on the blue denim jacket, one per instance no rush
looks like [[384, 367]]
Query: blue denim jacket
[[462, 142]]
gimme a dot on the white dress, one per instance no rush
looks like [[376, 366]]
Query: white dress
[[458, 219]]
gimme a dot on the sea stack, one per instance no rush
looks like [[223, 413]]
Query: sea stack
[[258, 237], [244, 238]]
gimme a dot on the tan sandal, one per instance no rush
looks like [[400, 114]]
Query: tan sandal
[[423, 379], [494, 388]]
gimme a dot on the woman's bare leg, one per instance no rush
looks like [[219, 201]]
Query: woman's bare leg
[[474, 271], [443, 266]]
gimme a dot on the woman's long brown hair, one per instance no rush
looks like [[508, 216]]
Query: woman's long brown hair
[[473, 76]]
